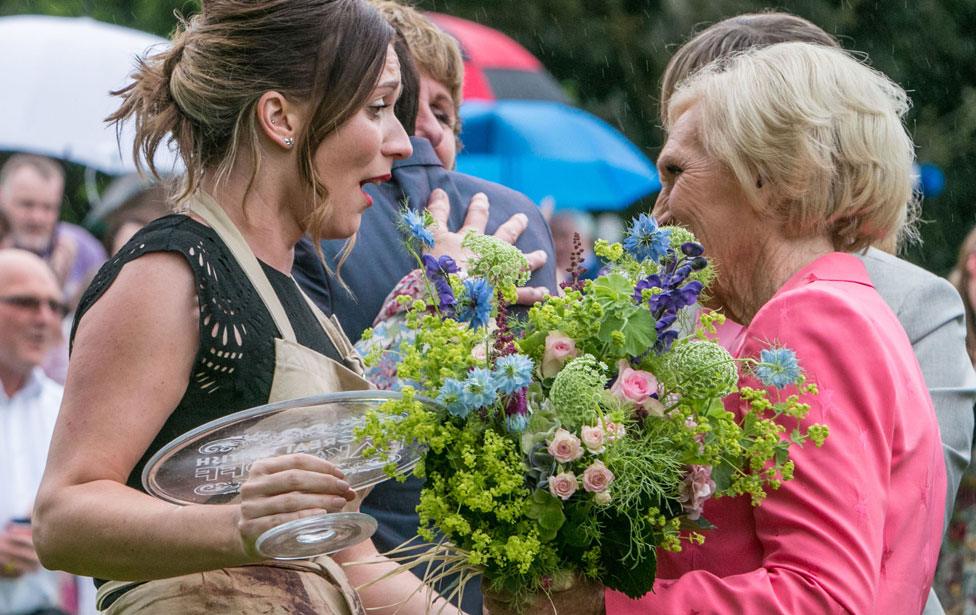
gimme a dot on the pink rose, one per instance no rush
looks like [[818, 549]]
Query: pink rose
[[695, 489], [593, 438], [565, 447], [560, 348], [635, 386], [614, 431], [563, 485], [597, 477]]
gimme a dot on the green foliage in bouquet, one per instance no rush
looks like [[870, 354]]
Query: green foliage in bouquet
[[589, 435]]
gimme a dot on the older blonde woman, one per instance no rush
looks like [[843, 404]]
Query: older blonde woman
[[783, 161]]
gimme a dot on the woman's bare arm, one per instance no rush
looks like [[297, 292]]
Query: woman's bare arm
[[133, 355]]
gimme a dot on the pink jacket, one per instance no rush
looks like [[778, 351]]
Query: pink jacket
[[858, 529]]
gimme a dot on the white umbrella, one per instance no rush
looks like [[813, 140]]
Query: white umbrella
[[56, 74]]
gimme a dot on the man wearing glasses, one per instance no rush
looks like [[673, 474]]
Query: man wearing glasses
[[31, 309]]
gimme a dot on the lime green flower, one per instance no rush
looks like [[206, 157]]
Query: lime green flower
[[577, 390], [502, 264], [699, 369]]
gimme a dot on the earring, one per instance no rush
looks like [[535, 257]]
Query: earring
[[288, 141]]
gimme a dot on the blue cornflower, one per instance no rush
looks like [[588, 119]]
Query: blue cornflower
[[646, 240], [516, 423], [512, 372], [479, 389], [451, 395], [475, 308], [415, 224], [778, 367]]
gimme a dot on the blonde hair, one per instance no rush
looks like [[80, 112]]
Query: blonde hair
[[201, 92], [435, 52], [746, 31], [819, 130]]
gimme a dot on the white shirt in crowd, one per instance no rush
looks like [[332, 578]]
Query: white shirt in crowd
[[26, 424]]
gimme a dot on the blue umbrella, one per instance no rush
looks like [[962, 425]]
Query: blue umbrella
[[549, 149]]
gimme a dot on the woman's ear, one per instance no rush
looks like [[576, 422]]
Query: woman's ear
[[278, 119]]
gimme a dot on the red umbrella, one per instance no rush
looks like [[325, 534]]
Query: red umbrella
[[495, 66]]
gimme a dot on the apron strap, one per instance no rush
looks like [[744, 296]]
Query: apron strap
[[203, 205], [335, 333]]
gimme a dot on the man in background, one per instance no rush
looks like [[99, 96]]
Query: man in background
[[31, 308], [31, 193]]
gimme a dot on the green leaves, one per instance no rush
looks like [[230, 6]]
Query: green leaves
[[547, 512], [626, 571], [613, 293], [722, 475]]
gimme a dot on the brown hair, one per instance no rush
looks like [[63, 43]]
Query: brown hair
[[733, 35], [45, 167], [962, 279], [202, 91], [406, 106], [435, 52]]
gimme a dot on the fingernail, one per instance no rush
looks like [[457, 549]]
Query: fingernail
[[343, 485]]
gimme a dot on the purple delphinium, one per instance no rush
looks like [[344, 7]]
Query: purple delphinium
[[437, 270], [675, 291]]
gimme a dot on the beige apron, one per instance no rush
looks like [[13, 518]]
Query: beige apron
[[314, 586]]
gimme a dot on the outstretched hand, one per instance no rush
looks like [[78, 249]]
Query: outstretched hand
[[448, 243]]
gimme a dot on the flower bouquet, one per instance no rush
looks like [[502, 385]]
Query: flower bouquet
[[570, 445]]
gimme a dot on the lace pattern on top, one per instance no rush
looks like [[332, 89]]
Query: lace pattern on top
[[234, 365]]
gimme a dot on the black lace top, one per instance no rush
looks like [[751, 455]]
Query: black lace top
[[235, 361]]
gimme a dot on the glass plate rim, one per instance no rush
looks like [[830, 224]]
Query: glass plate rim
[[174, 445]]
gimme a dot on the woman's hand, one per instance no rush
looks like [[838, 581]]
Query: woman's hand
[[448, 243], [286, 488]]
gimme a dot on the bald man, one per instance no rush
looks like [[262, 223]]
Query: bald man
[[31, 308]]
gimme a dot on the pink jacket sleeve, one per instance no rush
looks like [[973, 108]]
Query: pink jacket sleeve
[[858, 527]]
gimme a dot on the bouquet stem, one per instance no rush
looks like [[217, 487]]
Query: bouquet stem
[[583, 597]]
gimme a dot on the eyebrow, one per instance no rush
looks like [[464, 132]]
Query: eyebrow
[[390, 84]]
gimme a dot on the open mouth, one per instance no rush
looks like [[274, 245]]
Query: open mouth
[[379, 179]]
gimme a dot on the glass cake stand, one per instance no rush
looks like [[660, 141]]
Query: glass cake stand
[[208, 464]]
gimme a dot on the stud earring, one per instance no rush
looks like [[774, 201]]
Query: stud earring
[[288, 141]]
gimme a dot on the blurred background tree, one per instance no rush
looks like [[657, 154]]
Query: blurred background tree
[[609, 55]]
